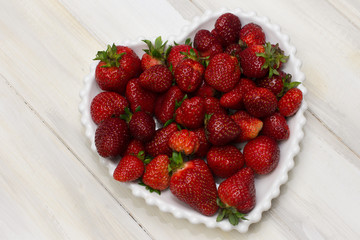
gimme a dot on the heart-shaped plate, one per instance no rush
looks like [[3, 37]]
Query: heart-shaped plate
[[267, 187]]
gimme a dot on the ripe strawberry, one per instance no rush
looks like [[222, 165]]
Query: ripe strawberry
[[225, 161], [227, 28], [207, 44], [275, 126], [290, 103], [157, 79], [167, 104], [212, 105], [251, 34], [178, 53], [107, 104], [159, 144], [274, 83], [234, 98], [205, 91], [118, 64], [234, 50], [194, 184], [191, 113], [140, 97], [156, 174], [204, 144], [111, 137], [250, 126], [262, 154], [134, 148], [184, 141], [260, 102], [142, 126], [154, 55], [129, 168], [237, 195], [221, 129], [189, 74], [223, 72]]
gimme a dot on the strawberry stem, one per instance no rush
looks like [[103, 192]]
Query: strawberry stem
[[110, 56], [231, 213]]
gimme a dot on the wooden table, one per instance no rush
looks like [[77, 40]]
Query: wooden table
[[54, 187]]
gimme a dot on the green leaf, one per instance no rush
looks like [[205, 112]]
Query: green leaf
[[221, 215], [233, 219]]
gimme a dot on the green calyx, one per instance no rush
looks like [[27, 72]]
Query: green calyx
[[274, 56], [127, 115], [176, 161], [157, 50], [110, 56], [287, 85], [231, 213], [150, 189]]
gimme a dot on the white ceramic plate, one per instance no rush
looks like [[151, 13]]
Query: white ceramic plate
[[267, 187]]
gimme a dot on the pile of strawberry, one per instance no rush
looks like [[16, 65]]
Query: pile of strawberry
[[175, 116]]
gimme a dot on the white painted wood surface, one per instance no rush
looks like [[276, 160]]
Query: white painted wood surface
[[53, 187]]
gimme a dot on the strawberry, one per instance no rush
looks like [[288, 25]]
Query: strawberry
[[189, 75], [141, 126], [274, 83], [262, 154], [221, 129], [251, 34], [275, 126], [184, 141], [212, 105], [237, 196], [118, 64], [111, 137], [191, 113], [156, 175], [154, 55], [129, 168], [193, 183], [223, 72], [159, 144], [107, 104], [140, 97], [204, 144], [234, 50], [234, 98], [290, 103], [224, 161], [207, 44], [134, 148], [250, 126], [227, 28], [179, 52], [167, 104], [157, 79], [205, 91], [260, 102]]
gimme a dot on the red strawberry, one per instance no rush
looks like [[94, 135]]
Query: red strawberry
[[275, 126], [159, 144], [290, 103], [205, 91], [223, 72], [118, 64], [130, 168], [234, 98], [234, 50], [251, 34], [191, 113], [189, 75], [156, 174], [178, 53], [154, 55], [157, 79], [194, 184], [111, 137], [250, 126], [274, 83], [107, 104], [260, 102], [139, 97], [206, 43], [224, 161], [204, 144], [184, 141], [237, 195], [134, 148], [262, 154], [167, 104], [212, 105], [227, 28], [221, 129], [142, 126]]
